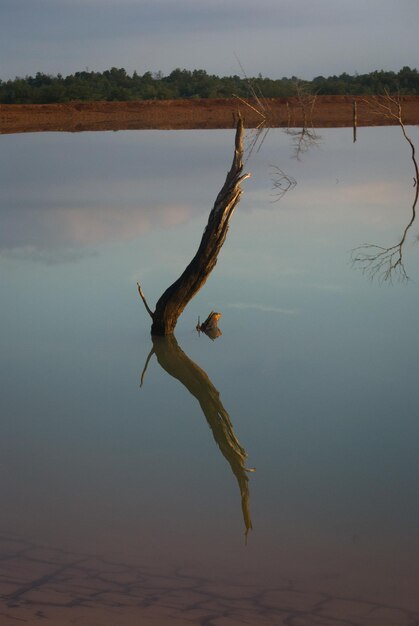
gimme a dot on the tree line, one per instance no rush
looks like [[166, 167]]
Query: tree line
[[116, 84]]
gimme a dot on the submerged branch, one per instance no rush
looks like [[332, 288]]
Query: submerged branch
[[210, 326]]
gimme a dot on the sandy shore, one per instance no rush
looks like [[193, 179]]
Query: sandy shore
[[320, 112]]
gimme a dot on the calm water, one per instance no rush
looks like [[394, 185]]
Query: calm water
[[125, 505]]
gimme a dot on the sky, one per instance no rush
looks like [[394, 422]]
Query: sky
[[304, 38]]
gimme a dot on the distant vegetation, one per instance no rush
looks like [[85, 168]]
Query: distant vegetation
[[116, 84]]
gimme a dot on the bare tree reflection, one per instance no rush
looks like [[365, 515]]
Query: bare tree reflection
[[305, 137], [177, 364], [281, 182], [387, 264], [384, 263]]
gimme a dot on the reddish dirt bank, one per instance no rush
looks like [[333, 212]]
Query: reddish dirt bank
[[322, 112]]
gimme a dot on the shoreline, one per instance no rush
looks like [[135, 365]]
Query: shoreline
[[307, 111]]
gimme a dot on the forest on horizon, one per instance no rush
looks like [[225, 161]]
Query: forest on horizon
[[116, 84]]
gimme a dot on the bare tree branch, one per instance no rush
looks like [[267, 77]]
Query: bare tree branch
[[140, 291]]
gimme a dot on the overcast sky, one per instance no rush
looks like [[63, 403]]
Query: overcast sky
[[277, 38]]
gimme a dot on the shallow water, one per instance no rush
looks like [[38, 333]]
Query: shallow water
[[124, 504]]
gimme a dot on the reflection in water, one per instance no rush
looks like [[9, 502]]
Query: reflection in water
[[210, 326], [378, 261], [303, 139], [281, 182], [91, 544], [306, 137], [176, 363], [385, 263]]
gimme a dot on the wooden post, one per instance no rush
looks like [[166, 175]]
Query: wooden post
[[354, 117]]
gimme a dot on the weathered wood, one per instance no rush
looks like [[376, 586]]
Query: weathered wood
[[173, 301], [210, 326], [355, 119]]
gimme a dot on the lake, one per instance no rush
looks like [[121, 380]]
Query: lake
[[268, 477]]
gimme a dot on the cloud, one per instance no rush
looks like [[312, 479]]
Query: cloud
[[350, 200], [262, 307], [40, 232], [90, 227]]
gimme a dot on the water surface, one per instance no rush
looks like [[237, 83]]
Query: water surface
[[124, 504]]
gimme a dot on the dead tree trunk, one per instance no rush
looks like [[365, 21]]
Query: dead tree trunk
[[172, 302]]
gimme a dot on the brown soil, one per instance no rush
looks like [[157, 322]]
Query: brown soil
[[323, 112]]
